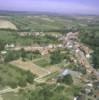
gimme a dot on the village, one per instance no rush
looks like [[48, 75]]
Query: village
[[80, 55]]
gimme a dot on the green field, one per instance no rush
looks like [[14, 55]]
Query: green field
[[9, 37], [52, 92], [13, 76], [43, 62]]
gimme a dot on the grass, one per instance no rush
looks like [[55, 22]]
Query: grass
[[30, 66], [12, 37], [51, 76], [7, 36], [11, 75], [11, 96], [43, 23], [54, 93], [42, 62]]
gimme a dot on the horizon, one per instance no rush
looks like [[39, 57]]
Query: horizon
[[52, 6]]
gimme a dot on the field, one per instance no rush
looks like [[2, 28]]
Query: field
[[28, 65], [49, 23], [44, 23], [8, 37], [12, 76], [43, 62], [4, 24], [53, 93]]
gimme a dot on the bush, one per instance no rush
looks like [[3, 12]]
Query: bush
[[30, 77], [11, 55], [22, 82], [68, 79], [56, 57], [12, 84]]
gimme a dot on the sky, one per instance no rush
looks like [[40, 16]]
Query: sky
[[57, 6]]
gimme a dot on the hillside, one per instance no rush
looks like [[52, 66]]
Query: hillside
[[49, 57]]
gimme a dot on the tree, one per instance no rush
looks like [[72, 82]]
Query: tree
[[95, 59], [56, 57], [67, 79], [37, 52], [22, 82], [12, 84], [30, 77], [45, 93], [11, 55], [2, 45], [23, 54]]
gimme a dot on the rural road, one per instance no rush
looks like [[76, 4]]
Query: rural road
[[8, 90]]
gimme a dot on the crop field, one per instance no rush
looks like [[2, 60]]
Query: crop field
[[4, 24], [28, 65], [42, 62], [42, 23]]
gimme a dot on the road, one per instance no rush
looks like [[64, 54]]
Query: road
[[8, 90]]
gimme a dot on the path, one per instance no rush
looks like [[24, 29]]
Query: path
[[8, 90]]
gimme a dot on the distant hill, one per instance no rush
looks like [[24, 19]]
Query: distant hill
[[5, 13]]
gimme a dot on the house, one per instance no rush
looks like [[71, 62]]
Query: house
[[50, 46], [62, 75], [9, 46], [3, 52], [81, 97], [75, 98], [90, 85], [23, 34], [69, 44], [59, 45], [65, 72], [36, 33], [88, 56], [44, 52], [77, 50]]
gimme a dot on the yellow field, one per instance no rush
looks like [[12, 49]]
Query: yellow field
[[4, 24]]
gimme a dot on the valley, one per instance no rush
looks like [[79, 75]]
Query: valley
[[52, 55]]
